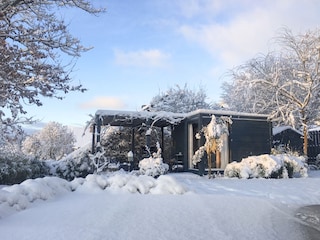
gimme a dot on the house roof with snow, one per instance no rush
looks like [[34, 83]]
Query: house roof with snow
[[158, 119], [136, 118], [279, 129], [313, 129]]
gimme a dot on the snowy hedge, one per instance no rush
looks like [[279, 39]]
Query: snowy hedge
[[17, 168], [268, 166]]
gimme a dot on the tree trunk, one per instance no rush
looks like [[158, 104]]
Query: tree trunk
[[305, 133], [305, 140]]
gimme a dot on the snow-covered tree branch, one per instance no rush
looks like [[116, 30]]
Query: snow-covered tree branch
[[33, 40], [180, 100], [285, 85]]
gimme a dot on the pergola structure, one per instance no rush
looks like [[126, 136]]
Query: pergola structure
[[133, 119]]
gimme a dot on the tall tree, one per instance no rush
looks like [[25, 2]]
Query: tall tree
[[52, 142], [180, 100], [34, 43], [285, 85]]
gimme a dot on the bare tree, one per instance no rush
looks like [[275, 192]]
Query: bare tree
[[285, 85], [33, 40]]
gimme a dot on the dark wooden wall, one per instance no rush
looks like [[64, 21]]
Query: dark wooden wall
[[313, 146], [249, 137]]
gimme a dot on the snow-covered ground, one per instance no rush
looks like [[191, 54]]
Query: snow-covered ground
[[174, 206]]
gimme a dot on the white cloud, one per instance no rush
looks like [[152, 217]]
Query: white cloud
[[104, 103], [195, 8], [235, 38], [142, 58]]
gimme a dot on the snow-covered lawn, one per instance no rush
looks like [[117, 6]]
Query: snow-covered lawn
[[174, 206]]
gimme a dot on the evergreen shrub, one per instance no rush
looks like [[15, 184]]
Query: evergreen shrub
[[16, 169]]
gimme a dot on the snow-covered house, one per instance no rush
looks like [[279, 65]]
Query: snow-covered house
[[249, 134], [288, 138]]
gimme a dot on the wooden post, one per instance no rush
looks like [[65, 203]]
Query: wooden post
[[162, 141], [132, 140], [209, 157], [98, 122], [131, 167], [93, 138], [218, 159]]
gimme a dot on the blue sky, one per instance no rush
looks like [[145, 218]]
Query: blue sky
[[141, 48]]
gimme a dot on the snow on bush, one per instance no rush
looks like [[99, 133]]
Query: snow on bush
[[267, 166], [80, 163], [130, 183], [153, 166], [19, 196], [16, 168], [76, 164]]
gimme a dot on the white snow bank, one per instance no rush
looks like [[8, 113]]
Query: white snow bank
[[20, 196], [220, 208], [122, 182], [266, 166]]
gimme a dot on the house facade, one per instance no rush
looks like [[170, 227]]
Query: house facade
[[249, 134]]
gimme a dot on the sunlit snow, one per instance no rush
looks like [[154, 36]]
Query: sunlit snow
[[173, 206]]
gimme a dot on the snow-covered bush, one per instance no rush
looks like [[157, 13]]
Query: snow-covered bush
[[153, 166], [81, 163], [268, 166], [316, 164], [76, 164], [284, 149], [16, 169]]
